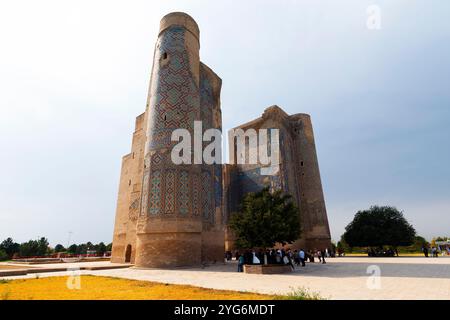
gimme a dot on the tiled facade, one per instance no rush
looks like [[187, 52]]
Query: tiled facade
[[174, 215]]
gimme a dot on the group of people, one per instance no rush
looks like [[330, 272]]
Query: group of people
[[434, 251], [380, 252], [278, 256]]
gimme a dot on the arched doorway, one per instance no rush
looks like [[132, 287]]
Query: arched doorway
[[128, 253]]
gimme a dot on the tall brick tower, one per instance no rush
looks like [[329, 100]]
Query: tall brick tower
[[171, 215]]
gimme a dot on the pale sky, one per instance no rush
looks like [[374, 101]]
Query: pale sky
[[74, 75]]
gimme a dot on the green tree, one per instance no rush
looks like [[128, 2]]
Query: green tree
[[29, 248], [10, 247], [43, 248], [379, 226], [109, 247], [419, 243], [81, 249], [72, 249], [343, 246], [3, 255], [100, 248], [59, 248], [266, 218]]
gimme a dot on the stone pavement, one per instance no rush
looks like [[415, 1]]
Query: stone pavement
[[340, 278]]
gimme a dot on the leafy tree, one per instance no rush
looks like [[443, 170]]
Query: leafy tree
[[34, 248], [29, 249], [343, 246], [109, 247], [266, 218], [100, 248], [73, 249], [43, 248], [81, 249], [419, 243], [59, 248], [10, 247], [3, 255], [379, 226]]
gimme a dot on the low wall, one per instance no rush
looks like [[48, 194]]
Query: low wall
[[267, 269]]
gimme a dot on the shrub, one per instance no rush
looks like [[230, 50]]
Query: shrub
[[301, 294]]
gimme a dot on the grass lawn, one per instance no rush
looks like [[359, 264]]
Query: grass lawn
[[98, 288]]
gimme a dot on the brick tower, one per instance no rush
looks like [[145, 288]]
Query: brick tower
[[170, 215]]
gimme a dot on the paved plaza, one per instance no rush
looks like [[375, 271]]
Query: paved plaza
[[340, 278]]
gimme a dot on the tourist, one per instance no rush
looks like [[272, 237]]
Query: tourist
[[287, 261], [301, 256], [311, 256], [260, 256], [241, 262], [255, 259], [248, 257], [236, 255], [228, 255], [278, 256], [319, 255], [323, 254], [425, 251], [296, 258]]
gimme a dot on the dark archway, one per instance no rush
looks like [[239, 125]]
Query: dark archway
[[128, 253]]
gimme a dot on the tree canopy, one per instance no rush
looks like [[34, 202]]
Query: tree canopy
[[40, 247], [379, 226], [266, 218], [9, 247], [34, 248]]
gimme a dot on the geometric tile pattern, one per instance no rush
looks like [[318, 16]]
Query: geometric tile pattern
[[155, 192], [176, 97], [175, 102], [169, 203], [217, 185], [183, 192], [206, 194], [195, 194]]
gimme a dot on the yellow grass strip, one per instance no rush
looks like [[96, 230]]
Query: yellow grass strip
[[101, 288]]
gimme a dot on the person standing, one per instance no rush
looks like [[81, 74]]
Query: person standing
[[241, 261], [296, 258], [311, 256], [323, 256], [301, 256], [287, 261]]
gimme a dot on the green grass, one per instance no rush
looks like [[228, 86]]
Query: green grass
[[301, 294]]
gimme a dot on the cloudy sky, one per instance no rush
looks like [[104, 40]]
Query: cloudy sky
[[73, 76]]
